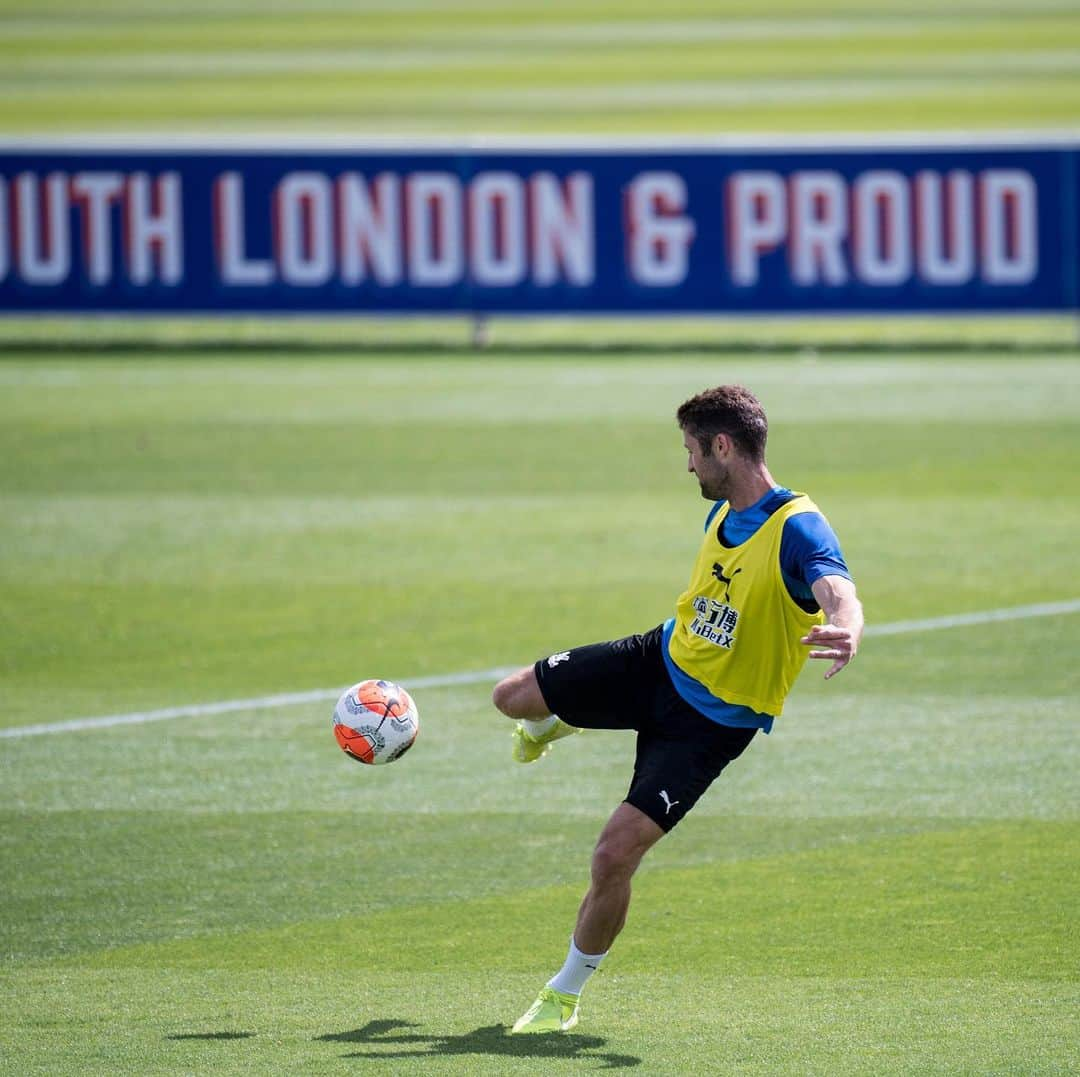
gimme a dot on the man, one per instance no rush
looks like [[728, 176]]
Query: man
[[699, 687]]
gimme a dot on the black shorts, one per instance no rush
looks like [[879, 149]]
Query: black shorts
[[624, 684]]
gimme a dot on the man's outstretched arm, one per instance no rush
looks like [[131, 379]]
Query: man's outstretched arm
[[837, 639]]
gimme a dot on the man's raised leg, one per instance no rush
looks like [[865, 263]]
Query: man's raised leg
[[519, 696]]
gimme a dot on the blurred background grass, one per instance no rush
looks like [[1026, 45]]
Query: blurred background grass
[[592, 67]]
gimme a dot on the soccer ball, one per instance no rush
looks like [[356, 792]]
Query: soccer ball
[[375, 722]]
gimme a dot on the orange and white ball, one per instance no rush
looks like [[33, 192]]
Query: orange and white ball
[[376, 722]]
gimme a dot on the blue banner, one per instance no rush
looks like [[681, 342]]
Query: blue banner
[[713, 231]]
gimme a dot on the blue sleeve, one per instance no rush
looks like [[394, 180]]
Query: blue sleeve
[[809, 549]]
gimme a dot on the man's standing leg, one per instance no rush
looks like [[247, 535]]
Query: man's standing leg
[[628, 835], [624, 841]]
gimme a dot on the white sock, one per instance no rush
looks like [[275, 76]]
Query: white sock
[[571, 978], [537, 727]]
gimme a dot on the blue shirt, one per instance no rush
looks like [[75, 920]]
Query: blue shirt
[[809, 549]]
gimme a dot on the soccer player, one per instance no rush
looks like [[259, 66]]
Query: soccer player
[[769, 588]]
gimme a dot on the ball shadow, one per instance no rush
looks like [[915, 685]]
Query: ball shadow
[[211, 1036]]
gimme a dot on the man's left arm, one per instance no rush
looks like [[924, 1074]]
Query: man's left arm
[[838, 639]]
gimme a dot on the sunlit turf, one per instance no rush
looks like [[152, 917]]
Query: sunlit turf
[[885, 884], [180, 530]]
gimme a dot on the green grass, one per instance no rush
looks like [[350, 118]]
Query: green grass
[[228, 527], [592, 67], [886, 884], [204, 510]]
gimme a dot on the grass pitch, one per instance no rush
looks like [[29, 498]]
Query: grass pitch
[[885, 884]]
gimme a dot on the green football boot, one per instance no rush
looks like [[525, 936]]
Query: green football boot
[[528, 749], [551, 1012]]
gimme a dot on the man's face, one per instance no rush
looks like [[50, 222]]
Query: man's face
[[712, 474]]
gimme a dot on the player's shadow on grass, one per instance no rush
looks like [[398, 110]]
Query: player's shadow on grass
[[490, 1040]]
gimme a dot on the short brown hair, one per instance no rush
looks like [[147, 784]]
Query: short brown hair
[[727, 409]]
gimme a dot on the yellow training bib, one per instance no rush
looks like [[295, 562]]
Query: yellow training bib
[[737, 628]]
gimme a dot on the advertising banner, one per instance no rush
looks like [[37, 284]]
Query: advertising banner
[[727, 231]]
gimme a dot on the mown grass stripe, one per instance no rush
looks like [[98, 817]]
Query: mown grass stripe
[[319, 695], [359, 61]]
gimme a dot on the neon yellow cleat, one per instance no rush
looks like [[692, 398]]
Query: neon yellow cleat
[[528, 749], [551, 1012]]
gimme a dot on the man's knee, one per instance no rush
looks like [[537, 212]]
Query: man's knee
[[613, 862], [519, 696], [626, 839]]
